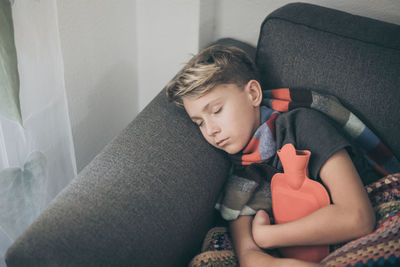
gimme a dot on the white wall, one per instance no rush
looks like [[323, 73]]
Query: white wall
[[99, 46], [241, 19], [119, 54], [167, 36]]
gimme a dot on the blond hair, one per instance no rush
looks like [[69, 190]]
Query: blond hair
[[213, 66]]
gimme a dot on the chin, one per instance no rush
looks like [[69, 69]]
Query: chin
[[232, 151]]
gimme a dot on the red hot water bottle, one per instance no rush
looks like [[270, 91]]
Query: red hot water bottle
[[295, 195]]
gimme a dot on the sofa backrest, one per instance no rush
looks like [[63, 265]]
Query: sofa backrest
[[354, 58]]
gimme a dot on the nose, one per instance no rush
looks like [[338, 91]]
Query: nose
[[212, 128]]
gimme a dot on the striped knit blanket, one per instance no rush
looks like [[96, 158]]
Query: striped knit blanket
[[247, 189]]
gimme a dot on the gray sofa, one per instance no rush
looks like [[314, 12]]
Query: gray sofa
[[147, 199]]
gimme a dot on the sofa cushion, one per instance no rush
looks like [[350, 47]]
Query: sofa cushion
[[354, 58]]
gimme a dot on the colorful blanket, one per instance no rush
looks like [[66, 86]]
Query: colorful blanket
[[247, 189]]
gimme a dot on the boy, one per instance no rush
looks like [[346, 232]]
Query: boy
[[220, 92]]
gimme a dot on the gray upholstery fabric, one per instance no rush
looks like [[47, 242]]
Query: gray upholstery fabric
[[146, 200], [354, 58]]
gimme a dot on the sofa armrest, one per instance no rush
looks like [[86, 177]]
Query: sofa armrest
[[146, 200]]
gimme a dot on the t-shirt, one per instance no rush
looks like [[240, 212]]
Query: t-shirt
[[306, 129]]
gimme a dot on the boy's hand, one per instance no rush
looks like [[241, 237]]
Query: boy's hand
[[260, 227], [251, 255]]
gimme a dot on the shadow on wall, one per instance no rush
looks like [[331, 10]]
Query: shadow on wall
[[115, 104]]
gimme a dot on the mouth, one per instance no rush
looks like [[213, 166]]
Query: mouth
[[222, 142]]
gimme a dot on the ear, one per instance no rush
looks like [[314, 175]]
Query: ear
[[253, 88]]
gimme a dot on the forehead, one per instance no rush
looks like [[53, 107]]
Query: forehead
[[217, 94]]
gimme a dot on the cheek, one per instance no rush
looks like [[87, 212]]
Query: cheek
[[244, 124], [230, 117]]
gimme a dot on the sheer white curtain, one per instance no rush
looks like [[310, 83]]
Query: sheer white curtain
[[36, 157]]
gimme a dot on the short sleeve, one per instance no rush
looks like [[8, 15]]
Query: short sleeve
[[311, 130]]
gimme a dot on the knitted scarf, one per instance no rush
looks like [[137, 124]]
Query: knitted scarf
[[248, 189]]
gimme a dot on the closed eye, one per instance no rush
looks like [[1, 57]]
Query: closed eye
[[199, 124], [218, 110]]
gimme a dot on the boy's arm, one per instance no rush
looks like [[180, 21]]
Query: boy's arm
[[350, 216], [249, 253]]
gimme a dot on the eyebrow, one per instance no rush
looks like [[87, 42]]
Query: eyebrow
[[206, 107]]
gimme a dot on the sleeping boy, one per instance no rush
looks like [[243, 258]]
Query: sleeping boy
[[221, 93]]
